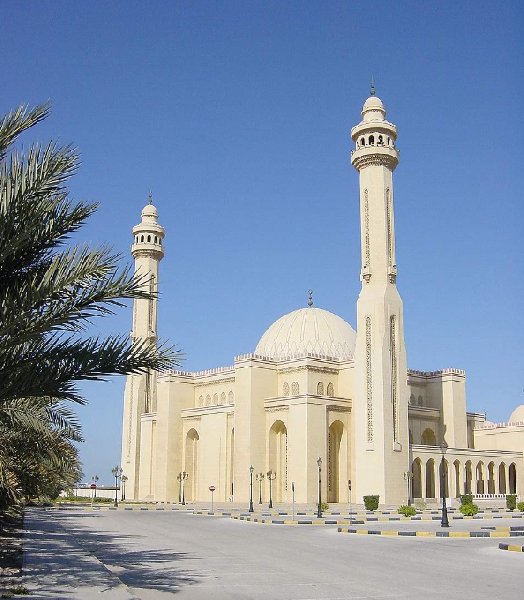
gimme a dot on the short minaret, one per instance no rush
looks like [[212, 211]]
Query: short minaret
[[140, 393], [381, 394]]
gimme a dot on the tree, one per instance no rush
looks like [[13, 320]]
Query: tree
[[50, 291]]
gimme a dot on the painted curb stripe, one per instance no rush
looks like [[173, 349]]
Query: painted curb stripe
[[511, 547], [439, 534]]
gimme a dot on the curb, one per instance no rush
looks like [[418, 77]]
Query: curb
[[297, 521], [511, 547], [440, 534]]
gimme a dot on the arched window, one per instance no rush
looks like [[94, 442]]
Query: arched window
[[215, 399], [420, 401], [380, 140], [362, 141], [412, 399], [201, 401], [428, 438], [410, 436], [160, 241], [330, 390], [223, 398], [142, 238], [231, 398], [295, 390], [208, 400], [371, 140], [156, 239], [320, 388], [285, 389], [148, 238], [136, 239], [430, 478], [512, 476]]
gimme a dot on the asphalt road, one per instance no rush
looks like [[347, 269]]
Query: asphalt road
[[157, 555]]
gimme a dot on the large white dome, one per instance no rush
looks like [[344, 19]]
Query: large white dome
[[308, 330]]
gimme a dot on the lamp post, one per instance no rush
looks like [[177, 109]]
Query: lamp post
[[444, 522], [94, 479], [181, 477], [117, 473], [259, 477], [123, 479], [349, 489], [251, 469], [408, 476], [271, 477], [319, 511]]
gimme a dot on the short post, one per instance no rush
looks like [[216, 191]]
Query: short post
[[271, 477], [251, 469], [293, 498], [259, 478], [319, 511], [184, 476], [212, 489], [444, 521]]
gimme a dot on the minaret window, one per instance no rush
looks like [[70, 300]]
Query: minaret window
[[156, 239], [149, 238], [389, 227], [369, 382], [371, 140], [394, 391], [363, 141], [142, 238], [380, 140]]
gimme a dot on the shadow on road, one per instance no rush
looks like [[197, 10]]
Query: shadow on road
[[61, 552]]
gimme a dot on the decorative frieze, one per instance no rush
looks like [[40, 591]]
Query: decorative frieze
[[369, 382], [394, 375]]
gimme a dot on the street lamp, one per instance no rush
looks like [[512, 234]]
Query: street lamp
[[271, 477], [117, 473], [123, 479], [94, 479], [181, 477], [251, 469], [319, 511], [444, 522], [259, 477], [408, 476]]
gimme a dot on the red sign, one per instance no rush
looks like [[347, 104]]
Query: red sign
[[212, 488], [93, 486]]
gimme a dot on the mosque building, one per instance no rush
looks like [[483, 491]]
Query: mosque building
[[315, 388]]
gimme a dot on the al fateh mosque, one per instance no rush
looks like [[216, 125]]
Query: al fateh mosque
[[314, 387]]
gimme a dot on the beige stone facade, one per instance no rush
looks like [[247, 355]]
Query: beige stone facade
[[314, 388]]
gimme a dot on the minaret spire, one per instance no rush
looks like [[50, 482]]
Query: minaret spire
[[310, 297], [372, 87]]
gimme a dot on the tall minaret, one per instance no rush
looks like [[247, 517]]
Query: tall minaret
[[140, 393], [380, 409]]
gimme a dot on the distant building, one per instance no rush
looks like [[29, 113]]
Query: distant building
[[313, 387]]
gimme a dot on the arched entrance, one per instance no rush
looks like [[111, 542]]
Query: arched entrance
[[336, 430], [416, 469], [491, 478], [512, 476], [191, 468], [278, 460], [502, 479], [430, 478], [480, 478], [468, 477], [457, 478], [443, 479]]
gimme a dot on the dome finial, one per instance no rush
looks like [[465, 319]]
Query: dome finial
[[150, 197], [310, 297], [372, 87]]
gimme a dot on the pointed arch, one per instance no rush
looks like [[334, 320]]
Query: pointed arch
[[428, 437], [335, 433], [330, 390], [416, 469], [479, 474], [456, 464], [320, 388], [468, 477], [285, 389], [430, 478], [278, 459], [512, 477], [503, 487], [491, 478], [191, 465]]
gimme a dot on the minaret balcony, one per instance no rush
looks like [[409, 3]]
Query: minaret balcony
[[375, 155]]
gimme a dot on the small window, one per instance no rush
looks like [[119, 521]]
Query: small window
[[142, 238], [285, 389], [215, 399], [412, 399], [208, 400], [201, 401], [223, 398], [320, 388], [160, 241], [389, 141], [420, 401], [362, 141], [380, 140], [295, 390], [231, 398], [149, 238], [330, 390], [372, 140], [156, 240]]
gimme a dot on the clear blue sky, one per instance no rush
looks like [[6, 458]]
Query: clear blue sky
[[237, 116]]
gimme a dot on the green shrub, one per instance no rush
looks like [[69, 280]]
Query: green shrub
[[511, 501], [407, 511], [469, 510], [520, 506], [324, 506], [466, 499], [371, 502]]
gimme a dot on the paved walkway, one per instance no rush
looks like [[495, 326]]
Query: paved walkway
[[161, 554]]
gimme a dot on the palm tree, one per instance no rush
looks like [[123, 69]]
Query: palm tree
[[50, 291]]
